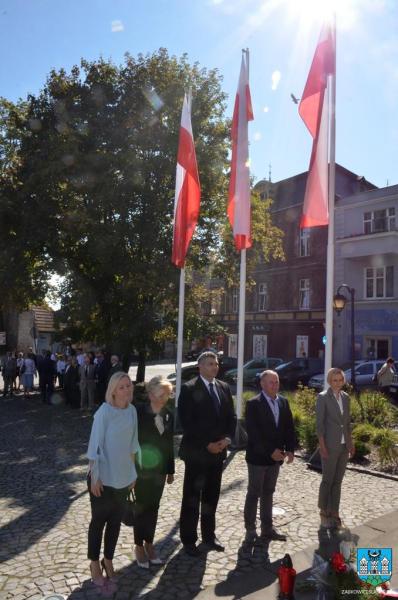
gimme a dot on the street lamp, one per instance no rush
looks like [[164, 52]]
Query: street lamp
[[339, 302]]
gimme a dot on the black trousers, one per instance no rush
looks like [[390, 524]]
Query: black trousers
[[202, 483], [106, 512], [148, 492], [46, 389]]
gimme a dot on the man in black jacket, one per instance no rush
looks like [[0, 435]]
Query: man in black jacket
[[271, 439], [207, 416]]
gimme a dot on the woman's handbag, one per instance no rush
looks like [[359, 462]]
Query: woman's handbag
[[130, 510]]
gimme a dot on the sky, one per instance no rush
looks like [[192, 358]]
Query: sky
[[38, 35]]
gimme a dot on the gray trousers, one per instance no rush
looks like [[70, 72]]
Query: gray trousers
[[261, 485], [333, 469], [87, 394]]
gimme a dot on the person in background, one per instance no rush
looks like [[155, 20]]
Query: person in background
[[80, 357], [61, 365], [87, 384], [71, 383], [116, 365], [9, 369], [333, 426], [111, 451], [101, 375], [19, 366], [155, 466], [28, 370], [386, 375], [47, 372]]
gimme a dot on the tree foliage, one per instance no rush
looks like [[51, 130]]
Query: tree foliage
[[88, 175]]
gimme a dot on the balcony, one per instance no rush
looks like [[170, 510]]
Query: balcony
[[369, 244]]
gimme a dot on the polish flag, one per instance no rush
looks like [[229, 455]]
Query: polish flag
[[187, 191], [314, 110], [239, 211]]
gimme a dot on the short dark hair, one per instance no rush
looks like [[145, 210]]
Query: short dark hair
[[207, 354], [390, 359]]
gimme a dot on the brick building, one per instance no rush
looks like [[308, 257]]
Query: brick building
[[285, 311]]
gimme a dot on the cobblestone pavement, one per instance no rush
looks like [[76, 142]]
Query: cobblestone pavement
[[44, 514]]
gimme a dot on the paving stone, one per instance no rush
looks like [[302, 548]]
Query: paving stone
[[45, 512]]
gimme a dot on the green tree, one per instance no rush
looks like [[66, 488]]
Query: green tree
[[98, 158]]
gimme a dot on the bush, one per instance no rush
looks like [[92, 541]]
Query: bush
[[373, 407], [306, 431], [364, 432], [361, 450], [387, 450], [305, 399]]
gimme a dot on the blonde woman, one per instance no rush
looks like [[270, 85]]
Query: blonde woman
[[156, 466], [111, 452], [335, 445]]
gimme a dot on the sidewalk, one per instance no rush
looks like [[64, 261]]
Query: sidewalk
[[262, 584]]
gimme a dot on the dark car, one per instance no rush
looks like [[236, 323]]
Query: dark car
[[298, 370], [191, 371]]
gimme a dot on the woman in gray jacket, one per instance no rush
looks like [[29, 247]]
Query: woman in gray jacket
[[335, 445]]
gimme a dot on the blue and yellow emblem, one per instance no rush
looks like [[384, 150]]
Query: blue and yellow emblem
[[374, 565]]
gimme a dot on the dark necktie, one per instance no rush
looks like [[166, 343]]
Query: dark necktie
[[86, 369], [215, 399]]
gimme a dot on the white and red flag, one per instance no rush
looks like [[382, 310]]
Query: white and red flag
[[314, 110], [187, 191], [239, 210]]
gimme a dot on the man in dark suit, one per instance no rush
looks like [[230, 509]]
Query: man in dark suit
[[270, 440], [207, 416]]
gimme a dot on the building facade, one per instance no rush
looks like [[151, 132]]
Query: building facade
[[285, 310], [366, 259]]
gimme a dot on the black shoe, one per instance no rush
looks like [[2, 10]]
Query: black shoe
[[214, 545], [191, 550], [273, 535]]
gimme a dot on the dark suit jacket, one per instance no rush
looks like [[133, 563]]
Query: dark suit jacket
[[200, 422], [263, 436], [153, 444]]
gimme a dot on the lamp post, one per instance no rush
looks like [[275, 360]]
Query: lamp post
[[339, 302]]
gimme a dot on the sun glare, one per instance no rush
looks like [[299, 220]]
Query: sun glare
[[313, 12]]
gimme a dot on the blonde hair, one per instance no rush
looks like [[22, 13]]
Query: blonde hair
[[156, 383], [112, 385], [334, 371]]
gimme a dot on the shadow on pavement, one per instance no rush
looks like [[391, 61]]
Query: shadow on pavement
[[42, 449]]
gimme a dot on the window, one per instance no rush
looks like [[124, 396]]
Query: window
[[304, 295], [304, 242], [379, 282], [235, 300], [379, 220], [262, 297]]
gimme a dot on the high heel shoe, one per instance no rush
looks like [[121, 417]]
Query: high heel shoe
[[112, 578], [150, 552], [98, 582], [142, 564]]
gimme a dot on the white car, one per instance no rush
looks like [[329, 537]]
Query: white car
[[365, 372]]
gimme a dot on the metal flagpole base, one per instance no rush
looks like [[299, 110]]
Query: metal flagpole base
[[240, 438], [314, 461]]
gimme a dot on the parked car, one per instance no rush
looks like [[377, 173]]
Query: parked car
[[365, 373], [251, 368], [298, 370]]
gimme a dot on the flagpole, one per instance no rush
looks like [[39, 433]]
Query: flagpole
[[332, 187], [241, 333], [180, 334]]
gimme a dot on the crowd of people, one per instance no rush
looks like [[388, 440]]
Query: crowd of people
[[82, 376], [131, 447]]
